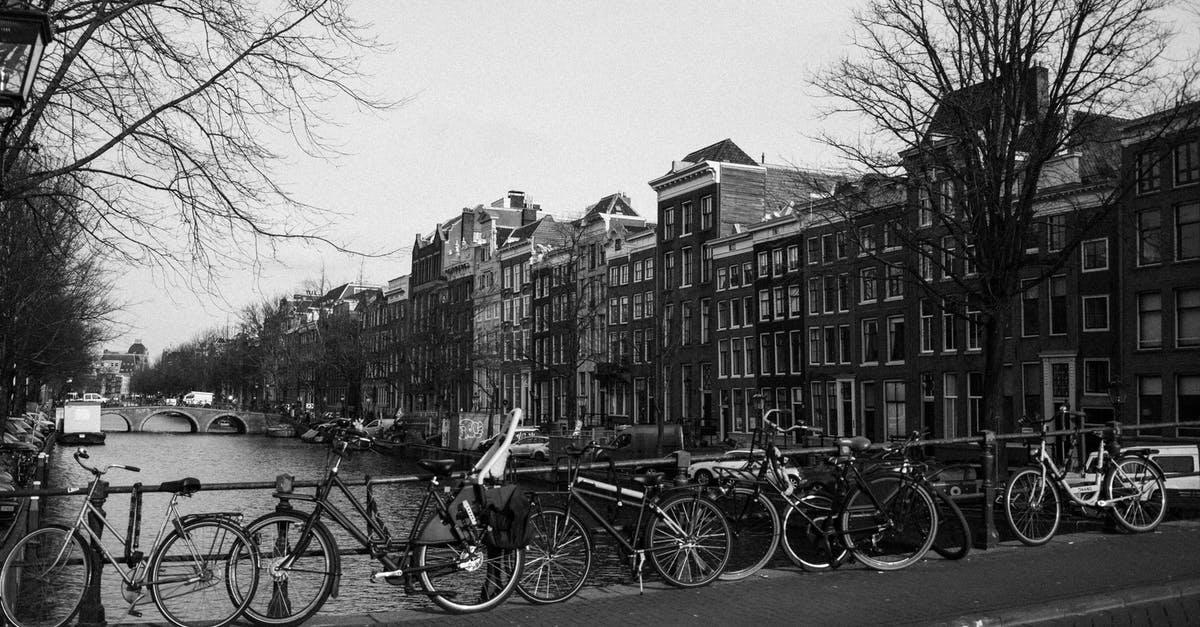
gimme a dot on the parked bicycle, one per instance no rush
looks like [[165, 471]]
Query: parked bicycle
[[200, 570], [446, 555], [886, 520], [1130, 486], [682, 533]]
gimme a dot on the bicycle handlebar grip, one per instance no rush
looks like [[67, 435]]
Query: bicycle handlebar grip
[[80, 453], [132, 468]]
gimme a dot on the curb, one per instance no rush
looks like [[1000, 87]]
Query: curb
[[1081, 606]]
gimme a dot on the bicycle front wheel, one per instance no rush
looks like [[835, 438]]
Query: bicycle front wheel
[[557, 560], [1031, 507], [953, 541], [44, 577], [689, 541], [1138, 493], [754, 525], [462, 579], [889, 525], [289, 594], [805, 540], [203, 575]]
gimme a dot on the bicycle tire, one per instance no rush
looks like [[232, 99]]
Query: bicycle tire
[[805, 542], [290, 596], [688, 541], [558, 558], [897, 533], [1133, 475], [52, 599], [953, 540], [482, 575], [1032, 507], [754, 525], [203, 574]]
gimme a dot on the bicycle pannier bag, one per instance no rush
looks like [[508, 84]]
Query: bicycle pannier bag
[[506, 510]]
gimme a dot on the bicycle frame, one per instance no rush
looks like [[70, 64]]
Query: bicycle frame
[[1084, 494]]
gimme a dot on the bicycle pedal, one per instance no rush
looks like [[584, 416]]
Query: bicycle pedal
[[135, 613], [381, 576]]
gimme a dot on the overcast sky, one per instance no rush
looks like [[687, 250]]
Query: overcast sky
[[567, 101]]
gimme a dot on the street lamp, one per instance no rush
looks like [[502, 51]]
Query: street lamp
[[24, 34]]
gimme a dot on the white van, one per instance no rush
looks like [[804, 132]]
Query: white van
[[1180, 464], [198, 398], [93, 397]]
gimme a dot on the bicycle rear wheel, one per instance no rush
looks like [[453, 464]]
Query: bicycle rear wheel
[[44, 577], [895, 534], [289, 596], [557, 560], [953, 540], [1031, 507], [469, 578], [1138, 492], [203, 575], [804, 542], [688, 541], [754, 523]]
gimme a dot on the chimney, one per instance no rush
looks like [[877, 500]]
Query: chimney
[[529, 215], [516, 199]]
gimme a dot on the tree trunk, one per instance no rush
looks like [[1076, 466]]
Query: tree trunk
[[995, 319]]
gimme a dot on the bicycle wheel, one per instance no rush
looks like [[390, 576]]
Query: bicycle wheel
[[898, 531], [557, 560], [804, 542], [289, 596], [1031, 506], [688, 541], [1138, 493], [203, 575], [469, 578], [44, 577], [953, 540], [754, 523]]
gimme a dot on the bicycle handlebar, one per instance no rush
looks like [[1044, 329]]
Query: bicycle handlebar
[[768, 422], [81, 454]]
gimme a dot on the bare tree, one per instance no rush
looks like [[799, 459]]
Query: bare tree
[[976, 100], [164, 115]]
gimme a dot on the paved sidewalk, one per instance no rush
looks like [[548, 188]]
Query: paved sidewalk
[[1085, 578]]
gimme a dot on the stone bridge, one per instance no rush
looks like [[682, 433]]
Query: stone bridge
[[182, 419]]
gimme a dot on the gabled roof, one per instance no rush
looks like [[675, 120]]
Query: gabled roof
[[724, 151], [527, 231], [613, 204]]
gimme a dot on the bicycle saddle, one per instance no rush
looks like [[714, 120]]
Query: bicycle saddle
[[650, 479], [439, 467], [183, 487], [857, 443]]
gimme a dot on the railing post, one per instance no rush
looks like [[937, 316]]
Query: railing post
[[991, 537], [91, 609], [683, 459]]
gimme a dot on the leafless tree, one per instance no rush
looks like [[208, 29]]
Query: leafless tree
[[976, 100]]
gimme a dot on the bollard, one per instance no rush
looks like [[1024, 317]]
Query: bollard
[[991, 537], [91, 609], [683, 459]]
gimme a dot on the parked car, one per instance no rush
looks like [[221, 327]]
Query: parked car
[[521, 433], [534, 446], [378, 426], [736, 459]]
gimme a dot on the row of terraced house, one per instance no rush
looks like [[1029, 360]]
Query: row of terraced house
[[748, 287]]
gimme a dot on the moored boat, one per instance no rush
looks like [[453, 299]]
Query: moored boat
[[281, 431]]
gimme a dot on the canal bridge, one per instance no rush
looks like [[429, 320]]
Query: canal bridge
[[182, 419]]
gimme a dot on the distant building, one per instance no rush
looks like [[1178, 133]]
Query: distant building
[[117, 369]]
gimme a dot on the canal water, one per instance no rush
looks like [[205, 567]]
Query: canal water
[[248, 458]]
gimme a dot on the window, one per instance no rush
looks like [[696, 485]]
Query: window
[[974, 401], [764, 305], [1030, 321], [780, 302], [831, 345], [891, 235], [924, 207], [1095, 313], [1187, 317], [895, 282], [706, 266], [1095, 376], [639, 272], [1187, 231], [946, 196], [974, 330], [1150, 320], [1031, 374], [814, 295], [870, 341], [926, 326], [685, 327], [947, 256], [736, 311], [639, 306], [794, 297], [748, 354], [747, 273], [828, 248], [639, 339], [831, 295], [1058, 305], [669, 269], [1148, 174], [793, 258], [650, 304], [614, 311], [669, 223], [705, 319], [689, 218], [748, 309], [868, 285], [925, 262], [843, 292], [949, 405], [814, 346], [797, 352], [722, 279], [766, 354], [650, 269], [781, 352], [778, 267], [723, 364], [814, 251], [706, 213], [1149, 236], [1149, 399], [624, 309], [722, 315], [866, 240], [895, 336], [737, 357], [1187, 163], [764, 264], [894, 408], [1056, 232], [841, 244], [1095, 254], [949, 327], [844, 344], [689, 270]]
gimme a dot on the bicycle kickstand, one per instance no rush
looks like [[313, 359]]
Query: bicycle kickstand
[[639, 558]]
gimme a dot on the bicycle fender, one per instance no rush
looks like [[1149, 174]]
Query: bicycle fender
[[320, 528]]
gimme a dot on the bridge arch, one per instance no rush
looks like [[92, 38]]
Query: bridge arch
[[166, 412], [114, 421], [237, 424]]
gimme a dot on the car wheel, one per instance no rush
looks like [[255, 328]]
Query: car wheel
[[703, 477], [539, 456]]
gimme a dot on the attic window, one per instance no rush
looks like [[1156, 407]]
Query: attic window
[[616, 244]]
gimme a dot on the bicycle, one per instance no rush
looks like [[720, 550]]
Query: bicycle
[[1129, 486], [199, 571], [885, 520], [445, 551], [682, 533], [953, 539]]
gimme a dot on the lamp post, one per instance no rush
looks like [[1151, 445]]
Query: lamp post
[[24, 34]]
